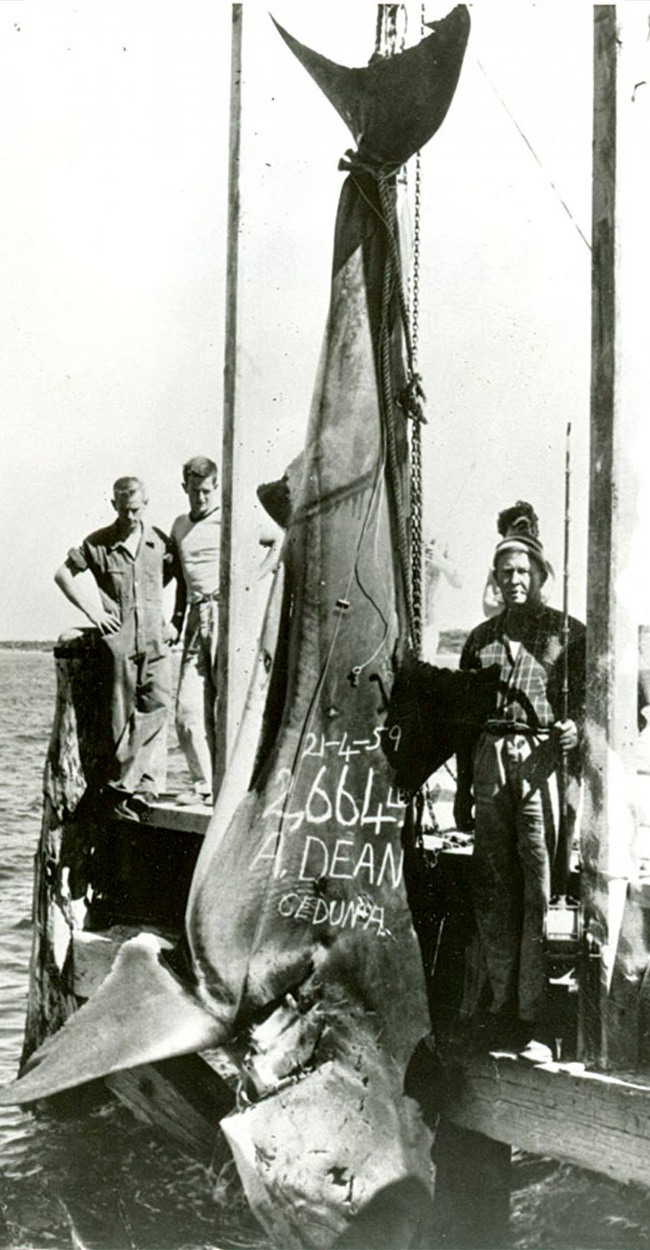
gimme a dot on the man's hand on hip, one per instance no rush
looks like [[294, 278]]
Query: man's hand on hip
[[107, 624]]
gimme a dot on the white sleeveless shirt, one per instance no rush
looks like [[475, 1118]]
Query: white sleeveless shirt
[[198, 544]]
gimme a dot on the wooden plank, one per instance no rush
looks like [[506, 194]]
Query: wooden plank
[[164, 814], [589, 1119], [602, 698], [472, 1195], [185, 1097]]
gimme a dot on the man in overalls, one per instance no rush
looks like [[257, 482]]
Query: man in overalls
[[130, 562]]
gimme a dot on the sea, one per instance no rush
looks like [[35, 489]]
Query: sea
[[105, 1181]]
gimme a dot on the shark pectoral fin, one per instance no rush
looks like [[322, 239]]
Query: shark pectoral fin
[[141, 1013]]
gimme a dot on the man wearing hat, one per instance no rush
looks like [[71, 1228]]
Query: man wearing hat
[[510, 775]]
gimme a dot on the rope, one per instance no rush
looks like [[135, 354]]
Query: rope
[[391, 281], [410, 400]]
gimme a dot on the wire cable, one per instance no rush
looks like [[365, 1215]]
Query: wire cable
[[533, 153]]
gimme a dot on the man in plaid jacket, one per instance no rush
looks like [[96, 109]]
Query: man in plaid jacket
[[509, 776]]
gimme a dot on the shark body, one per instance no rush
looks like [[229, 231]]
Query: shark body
[[298, 911]]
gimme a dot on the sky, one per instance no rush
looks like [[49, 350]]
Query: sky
[[112, 267]]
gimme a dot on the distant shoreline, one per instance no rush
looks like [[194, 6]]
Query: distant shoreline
[[24, 644], [451, 643]]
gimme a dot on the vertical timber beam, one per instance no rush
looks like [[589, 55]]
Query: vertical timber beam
[[472, 1194], [230, 403], [616, 579]]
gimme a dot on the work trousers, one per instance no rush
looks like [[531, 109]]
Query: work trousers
[[196, 699], [517, 816], [140, 699]]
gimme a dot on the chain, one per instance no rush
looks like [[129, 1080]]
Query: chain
[[410, 540], [386, 37], [387, 44], [416, 426]]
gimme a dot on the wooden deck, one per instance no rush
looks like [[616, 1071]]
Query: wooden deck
[[165, 813], [138, 877], [591, 1119]]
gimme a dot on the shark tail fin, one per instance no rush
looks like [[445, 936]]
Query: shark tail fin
[[141, 1013], [396, 104]]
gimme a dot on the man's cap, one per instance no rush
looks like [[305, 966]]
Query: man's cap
[[519, 529]]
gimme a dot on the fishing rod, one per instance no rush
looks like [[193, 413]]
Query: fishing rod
[[563, 928], [563, 854]]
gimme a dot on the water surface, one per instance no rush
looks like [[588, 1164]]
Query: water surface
[[103, 1180]]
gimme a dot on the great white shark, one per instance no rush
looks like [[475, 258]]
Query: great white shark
[[297, 911]]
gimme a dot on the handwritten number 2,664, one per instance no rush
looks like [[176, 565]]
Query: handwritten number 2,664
[[320, 807]]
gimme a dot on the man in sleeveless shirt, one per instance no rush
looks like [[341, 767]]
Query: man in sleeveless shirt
[[510, 777], [196, 540]]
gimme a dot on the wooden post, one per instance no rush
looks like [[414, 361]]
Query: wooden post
[[617, 590], [79, 752], [88, 865], [472, 1196], [230, 403]]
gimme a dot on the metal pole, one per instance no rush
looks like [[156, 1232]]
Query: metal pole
[[229, 400]]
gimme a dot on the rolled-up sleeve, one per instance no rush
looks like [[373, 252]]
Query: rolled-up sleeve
[[76, 559]]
